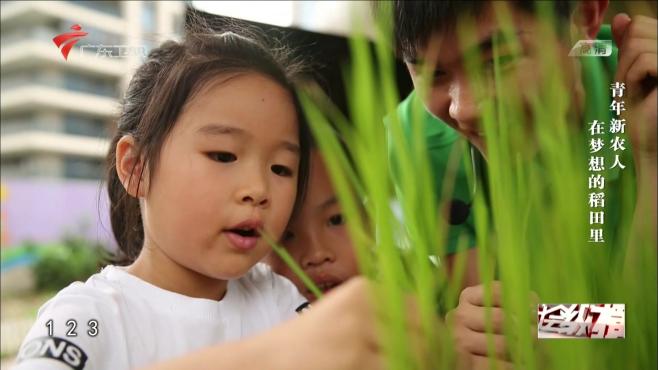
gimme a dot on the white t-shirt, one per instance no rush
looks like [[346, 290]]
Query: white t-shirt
[[117, 321]]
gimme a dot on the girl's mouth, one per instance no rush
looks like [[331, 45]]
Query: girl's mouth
[[243, 239], [327, 286], [246, 232]]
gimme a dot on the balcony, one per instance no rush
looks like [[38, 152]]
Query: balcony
[[31, 53], [32, 96], [52, 143], [16, 13]]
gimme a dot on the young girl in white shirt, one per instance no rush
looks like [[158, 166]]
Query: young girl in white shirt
[[209, 155]]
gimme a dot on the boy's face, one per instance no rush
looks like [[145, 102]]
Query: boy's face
[[317, 238], [450, 96]]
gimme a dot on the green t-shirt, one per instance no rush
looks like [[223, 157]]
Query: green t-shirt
[[441, 142], [597, 76]]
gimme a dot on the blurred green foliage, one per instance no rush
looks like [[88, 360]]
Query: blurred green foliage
[[532, 227], [75, 259]]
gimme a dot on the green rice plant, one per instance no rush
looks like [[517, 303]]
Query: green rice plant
[[532, 230]]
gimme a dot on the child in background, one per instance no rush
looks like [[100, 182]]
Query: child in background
[[318, 241], [427, 35], [209, 154], [317, 238]]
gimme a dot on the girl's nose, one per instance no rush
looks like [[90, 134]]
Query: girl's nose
[[256, 199], [254, 192], [316, 254]]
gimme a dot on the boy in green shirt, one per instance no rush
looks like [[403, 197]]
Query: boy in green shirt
[[441, 139], [426, 36]]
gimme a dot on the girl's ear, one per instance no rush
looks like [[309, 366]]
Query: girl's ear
[[130, 167]]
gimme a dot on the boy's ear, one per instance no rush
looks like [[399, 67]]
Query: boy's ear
[[588, 17], [130, 167]]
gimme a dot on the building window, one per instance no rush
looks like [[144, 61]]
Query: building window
[[12, 166], [83, 168], [109, 7], [20, 122], [85, 126], [95, 36], [89, 84], [148, 17]]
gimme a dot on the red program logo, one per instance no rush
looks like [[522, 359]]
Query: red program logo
[[65, 41]]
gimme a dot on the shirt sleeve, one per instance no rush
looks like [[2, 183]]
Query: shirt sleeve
[[77, 329]]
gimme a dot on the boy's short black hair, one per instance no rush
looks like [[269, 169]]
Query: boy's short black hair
[[415, 21]]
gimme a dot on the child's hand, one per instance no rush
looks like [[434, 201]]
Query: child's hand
[[468, 322], [338, 332], [636, 39]]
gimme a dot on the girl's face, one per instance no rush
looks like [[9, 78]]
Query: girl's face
[[317, 238], [228, 168]]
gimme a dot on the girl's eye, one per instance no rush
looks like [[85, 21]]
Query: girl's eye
[[282, 170], [336, 220], [224, 157], [287, 236]]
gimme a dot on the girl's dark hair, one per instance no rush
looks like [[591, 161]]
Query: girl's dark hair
[[159, 90]]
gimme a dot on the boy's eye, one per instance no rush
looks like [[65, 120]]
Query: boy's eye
[[503, 61], [224, 157], [336, 220], [506, 59], [287, 236], [281, 170], [438, 75]]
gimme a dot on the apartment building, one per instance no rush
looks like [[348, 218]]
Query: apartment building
[[57, 113]]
